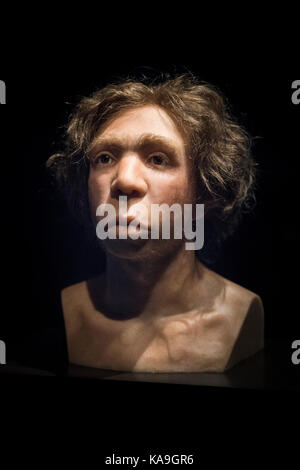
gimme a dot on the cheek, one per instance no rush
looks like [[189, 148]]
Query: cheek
[[98, 190], [175, 189]]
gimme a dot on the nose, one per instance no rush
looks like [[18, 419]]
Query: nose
[[129, 178]]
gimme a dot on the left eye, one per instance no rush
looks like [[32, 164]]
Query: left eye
[[158, 160]]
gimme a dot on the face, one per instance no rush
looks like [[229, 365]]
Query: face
[[142, 155]]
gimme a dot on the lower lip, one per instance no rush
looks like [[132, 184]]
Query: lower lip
[[139, 227]]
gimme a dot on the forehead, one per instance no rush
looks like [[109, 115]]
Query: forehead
[[130, 125]]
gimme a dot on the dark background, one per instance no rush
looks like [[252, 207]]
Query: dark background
[[254, 67], [43, 250]]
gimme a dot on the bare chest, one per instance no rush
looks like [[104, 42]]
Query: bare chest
[[183, 343]]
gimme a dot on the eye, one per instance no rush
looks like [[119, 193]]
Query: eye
[[158, 159], [103, 159]]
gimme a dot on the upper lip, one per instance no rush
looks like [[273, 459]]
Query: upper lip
[[125, 220]]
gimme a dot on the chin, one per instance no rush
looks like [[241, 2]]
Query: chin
[[140, 249], [127, 249]]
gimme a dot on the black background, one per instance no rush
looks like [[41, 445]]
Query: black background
[[39, 250], [43, 249]]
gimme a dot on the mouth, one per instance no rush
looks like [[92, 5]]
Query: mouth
[[125, 222]]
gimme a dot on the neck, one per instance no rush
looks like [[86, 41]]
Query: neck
[[159, 286]]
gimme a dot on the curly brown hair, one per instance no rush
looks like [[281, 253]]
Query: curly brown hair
[[219, 147]]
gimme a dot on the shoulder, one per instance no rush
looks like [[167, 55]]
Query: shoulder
[[73, 296], [236, 302], [231, 295], [77, 301], [247, 323], [238, 316], [72, 300], [246, 305]]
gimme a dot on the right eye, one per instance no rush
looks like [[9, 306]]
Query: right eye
[[103, 159]]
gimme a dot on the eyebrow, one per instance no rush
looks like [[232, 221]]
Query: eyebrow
[[117, 144]]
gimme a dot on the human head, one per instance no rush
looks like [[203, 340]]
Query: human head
[[218, 147]]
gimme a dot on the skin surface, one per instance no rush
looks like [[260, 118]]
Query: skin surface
[[156, 308]]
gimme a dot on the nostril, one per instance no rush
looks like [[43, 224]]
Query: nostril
[[135, 193], [128, 192], [134, 187]]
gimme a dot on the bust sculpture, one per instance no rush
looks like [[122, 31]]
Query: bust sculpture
[[158, 307]]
